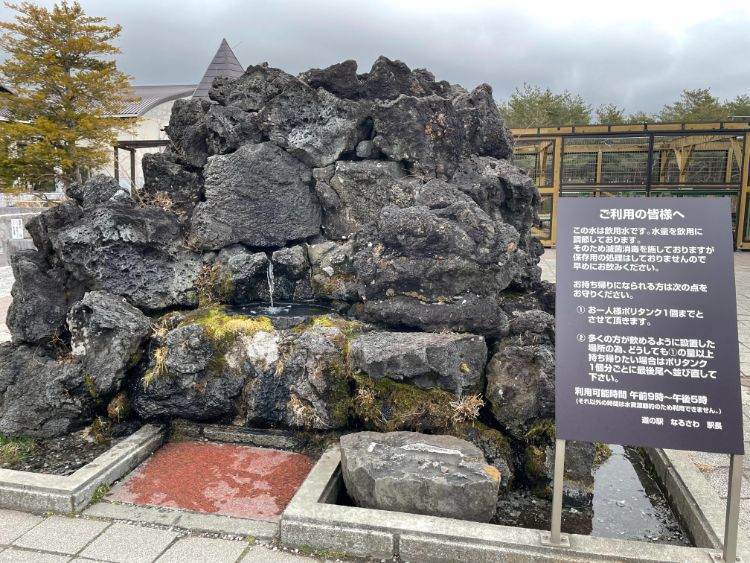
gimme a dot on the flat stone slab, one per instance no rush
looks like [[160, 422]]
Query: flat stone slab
[[224, 479], [61, 535], [203, 549], [124, 543], [15, 523]]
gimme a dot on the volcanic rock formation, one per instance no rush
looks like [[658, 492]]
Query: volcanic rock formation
[[387, 197]]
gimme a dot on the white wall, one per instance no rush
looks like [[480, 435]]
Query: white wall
[[149, 127]]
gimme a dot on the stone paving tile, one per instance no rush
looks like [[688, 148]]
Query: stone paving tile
[[200, 550], [61, 535], [125, 543], [20, 556], [262, 554], [719, 480], [15, 523]]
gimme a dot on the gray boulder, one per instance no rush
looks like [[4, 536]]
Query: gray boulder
[[454, 362], [93, 191], [502, 190], [332, 271], [214, 365], [440, 247], [484, 129], [229, 127], [463, 313], [424, 132], [259, 196], [135, 252], [291, 270], [51, 220], [40, 301], [441, 250], [254, 89], [40, 396], [297, 378], [339, 79], [386, 80], [357, 192], [107, 333], [314, 126], [419, 474], [521, 373], [187, 378], [187, 131], [241, 275], [166, 179]]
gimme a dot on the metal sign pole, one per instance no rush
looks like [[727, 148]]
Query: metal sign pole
[[555, 537], [733, 508]]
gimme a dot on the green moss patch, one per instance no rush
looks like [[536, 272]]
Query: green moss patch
[[387, 406]]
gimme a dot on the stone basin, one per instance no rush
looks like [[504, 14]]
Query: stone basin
[[283, 315]]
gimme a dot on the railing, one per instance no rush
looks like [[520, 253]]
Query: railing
[[683, 159]]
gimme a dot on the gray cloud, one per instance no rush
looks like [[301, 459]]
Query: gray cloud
[[636, 65]]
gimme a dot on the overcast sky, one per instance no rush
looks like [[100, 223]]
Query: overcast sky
[[637, 53]]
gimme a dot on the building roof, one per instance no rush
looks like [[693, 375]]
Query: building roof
[[4, 90], [224, 63], [148, 97]]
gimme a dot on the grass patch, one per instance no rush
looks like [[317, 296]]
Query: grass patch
[[602, 453], [100, 492], [119, 407], [213, 286], [542, 432], [15, 450]]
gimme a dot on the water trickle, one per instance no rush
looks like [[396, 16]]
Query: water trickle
[[269, 277]]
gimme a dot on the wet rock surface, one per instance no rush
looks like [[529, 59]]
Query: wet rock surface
[[419, 474]]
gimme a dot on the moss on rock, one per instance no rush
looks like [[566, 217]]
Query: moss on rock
[[387, 406]]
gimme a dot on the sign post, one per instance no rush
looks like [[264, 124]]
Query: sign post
[[647, 352]]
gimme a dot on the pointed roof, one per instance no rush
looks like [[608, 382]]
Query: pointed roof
[[224, 63]]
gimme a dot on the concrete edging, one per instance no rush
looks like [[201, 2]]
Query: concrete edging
[[312, 520], [691, 496], [40, 492]]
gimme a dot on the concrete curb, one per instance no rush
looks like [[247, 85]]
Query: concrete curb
[[692, 497], [39, 492], [312, 520]]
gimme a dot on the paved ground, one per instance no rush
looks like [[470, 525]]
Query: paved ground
[[26, 537], [225, 479]]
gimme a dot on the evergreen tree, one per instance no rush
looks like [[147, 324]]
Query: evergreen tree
[[610, 114], [694, 105], [67, 91], [531, 106]]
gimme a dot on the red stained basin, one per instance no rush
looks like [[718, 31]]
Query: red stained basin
[[227, 479]]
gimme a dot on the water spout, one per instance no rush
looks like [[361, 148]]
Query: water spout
[[269, 277]]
